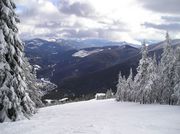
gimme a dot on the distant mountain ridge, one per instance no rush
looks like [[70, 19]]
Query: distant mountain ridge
[[84, 43]]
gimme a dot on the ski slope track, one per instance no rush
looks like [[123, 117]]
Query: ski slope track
[[99, 117]]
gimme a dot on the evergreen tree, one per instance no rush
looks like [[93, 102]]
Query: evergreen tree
[[109, 94], [15, 102], [119, 88], [120, 94], [35, 92], [130, 87], [167, 72], [151, 90], [176, 95], [124, 91], [141, 76], [125, 88], [153, 83]]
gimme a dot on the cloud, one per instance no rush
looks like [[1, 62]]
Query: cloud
[[82, 9], [162, 6], [171, 18], [34, 14], [109, 19], [44, 19], [38, 9], [166, 27]]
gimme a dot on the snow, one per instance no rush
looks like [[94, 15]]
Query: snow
[[6, 10], [100, 96], [48, 101], [1, 40], [34, 44], [55, 53], [99, 117], [13, 51], [46, 81], [45, 85], [63, 99], [2, 65], [35, 47], [37, 67], [51, 39], [84, 53]]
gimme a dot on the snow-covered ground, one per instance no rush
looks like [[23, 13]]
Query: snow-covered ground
[[99, 117]]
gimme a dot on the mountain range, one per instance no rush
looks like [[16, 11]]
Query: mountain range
[[80, 69]]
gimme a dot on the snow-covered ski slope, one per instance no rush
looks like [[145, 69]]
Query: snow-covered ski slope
[[99, 117]]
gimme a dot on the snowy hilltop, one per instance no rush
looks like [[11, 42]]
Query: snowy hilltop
[[99, 117]]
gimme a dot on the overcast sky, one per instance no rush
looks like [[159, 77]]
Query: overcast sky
[[118, 20]]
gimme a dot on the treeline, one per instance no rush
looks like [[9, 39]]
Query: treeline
[[155, 82]]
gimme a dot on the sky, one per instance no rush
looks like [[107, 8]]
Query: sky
[[116, 20]]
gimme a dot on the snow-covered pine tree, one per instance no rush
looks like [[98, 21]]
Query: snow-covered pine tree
[[167, 65], [120, 88], [151, 90], [15, 102], [141, 76], [35, 92], [125, 89], [109, 94], [176, 96], [130, 87]]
